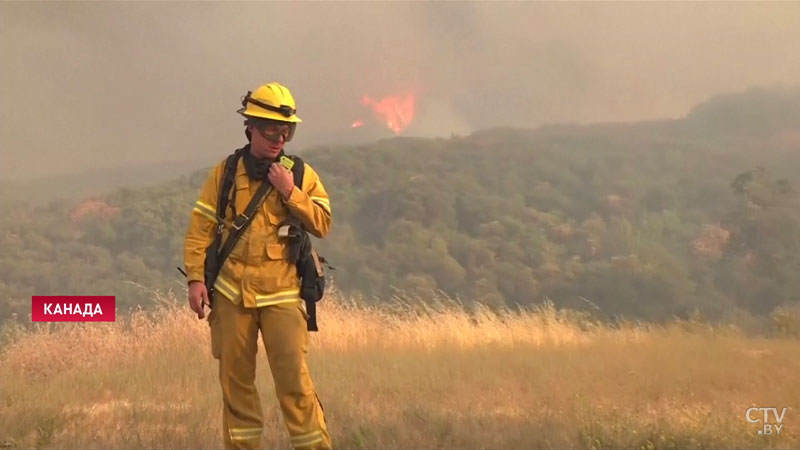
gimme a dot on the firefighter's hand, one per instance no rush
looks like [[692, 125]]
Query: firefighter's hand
[[198, 298], [282, 179]]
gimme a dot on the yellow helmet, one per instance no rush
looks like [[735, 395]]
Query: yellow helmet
[[270, 101]]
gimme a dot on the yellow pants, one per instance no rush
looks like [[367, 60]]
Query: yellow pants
[[234, 342]]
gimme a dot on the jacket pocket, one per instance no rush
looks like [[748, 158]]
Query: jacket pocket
[[276, 274], [276, 251]]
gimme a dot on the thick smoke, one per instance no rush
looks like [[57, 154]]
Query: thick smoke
[[93, 85]]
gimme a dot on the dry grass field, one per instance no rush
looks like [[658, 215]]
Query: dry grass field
[[405, 376]]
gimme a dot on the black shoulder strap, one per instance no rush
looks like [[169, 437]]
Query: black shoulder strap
[[228, 178], [298, 170]]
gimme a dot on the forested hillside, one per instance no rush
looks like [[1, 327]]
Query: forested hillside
[[642, 220]]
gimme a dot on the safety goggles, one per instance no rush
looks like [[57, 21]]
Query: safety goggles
[[272, 131]]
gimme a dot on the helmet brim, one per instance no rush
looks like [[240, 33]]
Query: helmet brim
[[259, 113]]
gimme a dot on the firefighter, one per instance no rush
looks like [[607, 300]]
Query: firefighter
[[257, 288]]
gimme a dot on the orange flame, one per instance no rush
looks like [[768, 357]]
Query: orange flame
[[357, 123], [396, 111]]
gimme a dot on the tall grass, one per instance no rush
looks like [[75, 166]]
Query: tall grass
[[408, 374]]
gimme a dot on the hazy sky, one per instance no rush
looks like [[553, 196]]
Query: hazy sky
[[111, 84]]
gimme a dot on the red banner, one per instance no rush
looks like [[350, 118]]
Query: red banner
[[59, 308]]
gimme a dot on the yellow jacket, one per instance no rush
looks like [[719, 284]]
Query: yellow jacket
[[257, 271]]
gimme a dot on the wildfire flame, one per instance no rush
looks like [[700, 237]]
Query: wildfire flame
[[396, 111], [357, 123]]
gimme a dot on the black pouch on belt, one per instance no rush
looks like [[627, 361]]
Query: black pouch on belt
[[309, 266]]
